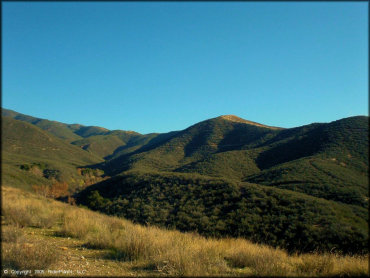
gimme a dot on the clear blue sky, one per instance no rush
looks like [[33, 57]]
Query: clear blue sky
[[157, 67]]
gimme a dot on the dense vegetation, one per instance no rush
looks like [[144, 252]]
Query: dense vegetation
[[32, 156], [39, 233], [215, 207], [199, 143], [96, 140], [302, 189]]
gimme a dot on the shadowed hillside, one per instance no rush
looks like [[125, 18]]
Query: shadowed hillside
[[216, 207], [308, 183], [302, 189], [198, 143], [326, 160]]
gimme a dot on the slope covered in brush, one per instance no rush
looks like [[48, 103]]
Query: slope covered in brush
[[60, 130], [31, 155], [301, 188], [346, 138], [217, 207], [322, 160], [108, 143], [97, 140], [182, 150], [35, 228]]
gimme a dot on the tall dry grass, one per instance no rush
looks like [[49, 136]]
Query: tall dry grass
[[11, 234], [25, 211], [174, 253], [187, 254], [259, 259], [20, 252]]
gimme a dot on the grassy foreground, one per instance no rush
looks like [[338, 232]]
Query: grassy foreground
[[43, 234]]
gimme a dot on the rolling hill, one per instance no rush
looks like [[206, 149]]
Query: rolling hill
[[59, 130], [199, 143], [302, 189], [96, 140], [323, 160], [32, 156]]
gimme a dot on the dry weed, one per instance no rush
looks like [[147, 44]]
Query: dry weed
[[30, 213], [28, 255], [11, 234]]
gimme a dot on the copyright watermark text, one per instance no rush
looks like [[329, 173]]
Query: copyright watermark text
[[27, 272]]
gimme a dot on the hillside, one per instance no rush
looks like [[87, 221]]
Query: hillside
[[322, 160], [234, 118], [97, 140], [59, 130], [267, 146], [323, 166], [42, 234], [32, 156], [216, 207], [198, 143], [113, 143], [301, 189]]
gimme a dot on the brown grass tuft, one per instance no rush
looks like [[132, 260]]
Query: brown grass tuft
[[263, 260], [25, 212], [315, 264], [11, 233], [24, 254]]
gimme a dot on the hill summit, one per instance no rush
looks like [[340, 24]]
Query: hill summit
[[237, 119]]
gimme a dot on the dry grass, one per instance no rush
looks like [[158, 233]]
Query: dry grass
[[331, 265], [20, 252], [11, 234], [315, 264], [261, 260], [30, 212], [24, 255], [161, 251]]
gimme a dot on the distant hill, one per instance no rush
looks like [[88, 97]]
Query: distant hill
[[179, 151], [303, 188], [60, 130], [97, 140], [322, 160], [310, 180], [236, 119], [31, 156]]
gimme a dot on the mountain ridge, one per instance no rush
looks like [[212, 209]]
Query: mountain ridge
[[78, 129], [76, 126], [224, 176]]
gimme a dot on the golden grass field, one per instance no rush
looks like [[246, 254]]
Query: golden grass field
[[43, 234]]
